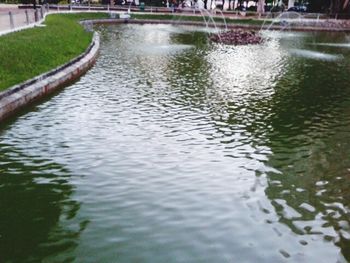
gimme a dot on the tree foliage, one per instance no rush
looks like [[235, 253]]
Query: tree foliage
[[330, 6]]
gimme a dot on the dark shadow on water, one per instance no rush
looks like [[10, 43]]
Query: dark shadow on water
[[35, 205], [310, 141]]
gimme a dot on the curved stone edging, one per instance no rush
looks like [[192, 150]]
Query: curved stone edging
[[25, 93]]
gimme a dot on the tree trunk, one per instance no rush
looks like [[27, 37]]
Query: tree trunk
[[335, 6], [261, 7], [291, 3]]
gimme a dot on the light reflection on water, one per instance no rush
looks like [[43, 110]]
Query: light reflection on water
[[207, 154]]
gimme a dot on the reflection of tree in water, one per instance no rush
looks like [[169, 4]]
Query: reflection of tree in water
[[179, 78], [34, 194], [305, 123], [310, 141], [187, 72]]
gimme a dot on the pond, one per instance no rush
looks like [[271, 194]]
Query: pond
[[174, 149]]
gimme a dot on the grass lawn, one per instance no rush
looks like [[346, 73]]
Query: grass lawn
[[31, 52], [196, 18]]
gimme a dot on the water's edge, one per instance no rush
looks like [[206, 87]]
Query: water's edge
[[21, 95]]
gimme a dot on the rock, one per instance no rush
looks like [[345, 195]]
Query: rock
[[237, 37]]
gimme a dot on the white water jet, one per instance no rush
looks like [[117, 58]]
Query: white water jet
[[205, 13], [341, 45], [315, 55], [223, 18], [283, 19], [152, 49], [204, 18]]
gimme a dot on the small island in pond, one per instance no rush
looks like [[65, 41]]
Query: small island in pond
[[237, 37]]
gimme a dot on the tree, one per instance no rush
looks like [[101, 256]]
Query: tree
[[332, 6], [339, 6], [319, 5], [205, 4]]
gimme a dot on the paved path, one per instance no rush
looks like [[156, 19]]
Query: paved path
[[18, 16], [7, 7]]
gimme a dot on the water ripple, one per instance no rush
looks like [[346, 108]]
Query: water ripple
[[191, 153]]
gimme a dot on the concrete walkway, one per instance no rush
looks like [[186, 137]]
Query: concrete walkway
[[19, 17], [7, 7]]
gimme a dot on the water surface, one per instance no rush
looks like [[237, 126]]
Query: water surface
[[172, 149]]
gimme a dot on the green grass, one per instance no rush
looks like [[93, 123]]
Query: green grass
[[196, 18], [28, 53]]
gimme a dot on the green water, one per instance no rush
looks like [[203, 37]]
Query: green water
[[172, 149]]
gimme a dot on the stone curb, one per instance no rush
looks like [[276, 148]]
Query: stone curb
[[39, 87]]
